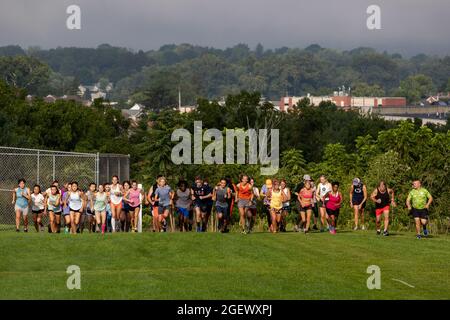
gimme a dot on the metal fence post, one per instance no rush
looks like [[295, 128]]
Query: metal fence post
[[37, 171], [97, 168], [54, 169]]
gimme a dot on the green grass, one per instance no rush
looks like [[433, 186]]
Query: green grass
[[223, 266]]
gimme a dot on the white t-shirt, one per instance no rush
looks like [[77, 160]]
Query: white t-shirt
[[37, 202], [324, 189]]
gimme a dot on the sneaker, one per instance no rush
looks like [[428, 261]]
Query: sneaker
[[363, 228], [296, 228], [26, 230], [66, 230], [322, 229], [333, 231], [378, 232], [425, 232], [315, 227], [355, 228], [17, 230], [419, 237], [385, 233]]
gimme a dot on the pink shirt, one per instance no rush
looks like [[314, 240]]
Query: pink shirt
[[334, 200], [134, 197]]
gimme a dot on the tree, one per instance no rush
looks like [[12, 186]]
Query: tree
[[416, 87]]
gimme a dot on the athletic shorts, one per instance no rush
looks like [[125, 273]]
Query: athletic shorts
[[203, 207], [89, 212], [222, 210], [276, 211], [37, 211], [357, 202], [183, 211], [331, 212], [23, 210], [161, 209], [253, 211], [379, 211], [113, 206], [287, 208], [243, 203], [71, 209], [420, 213], [304, 209]]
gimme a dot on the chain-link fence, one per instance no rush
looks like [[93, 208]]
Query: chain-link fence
[[42, 167]]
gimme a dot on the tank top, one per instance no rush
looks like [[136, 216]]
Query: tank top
[[37, 202], [307, 196], [385, 199], [100, 202], [51, 203], [324, 189], [245, 193], [358, 193], [75, 201], [333, 201], [221, 201], [134, 197], [21, 201], [114, 198], [275, 202], [90, 196]]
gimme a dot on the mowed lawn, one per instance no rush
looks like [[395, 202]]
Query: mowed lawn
[[224, 266]]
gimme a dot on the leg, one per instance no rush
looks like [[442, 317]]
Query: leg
[[57, 222], [18, 214], [308, 219], [36, 225], [386, 220], [418, 223], [356, 212], [273, 218], [242, 218], [51, 217]]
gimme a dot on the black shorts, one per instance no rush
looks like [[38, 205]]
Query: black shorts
[[357, 202], [420, 213], [37, 211], [333, 212]]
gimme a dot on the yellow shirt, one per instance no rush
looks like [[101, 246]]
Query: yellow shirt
[[276, 201]]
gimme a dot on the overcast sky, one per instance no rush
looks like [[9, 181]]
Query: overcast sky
[[408, 26]]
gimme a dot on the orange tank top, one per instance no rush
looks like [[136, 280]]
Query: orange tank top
[[245, 193]]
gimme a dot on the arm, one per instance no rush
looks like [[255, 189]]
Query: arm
[[351, 196], [408, 202], [373, 195], [237, 192], [214, 197], [391, 191], [58, 200], [26, 195], [14, 196], [430, 200], [365, 195]]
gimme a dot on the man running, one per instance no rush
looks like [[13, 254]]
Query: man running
[[383, 197], [418, 202], [322, 189]]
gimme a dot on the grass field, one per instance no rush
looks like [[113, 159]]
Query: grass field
[[224, 266]]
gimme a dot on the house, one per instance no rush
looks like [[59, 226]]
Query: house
[[50, 99], [134, 113]]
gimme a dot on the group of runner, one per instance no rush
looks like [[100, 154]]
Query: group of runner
[[116, 206]]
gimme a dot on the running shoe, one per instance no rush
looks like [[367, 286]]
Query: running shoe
[[322, 229], [315, 227], [425, 232], [355, 228], [419, 237], [378, 232], [26, 230], [17, 230], [385, 233], [333, 231], [295, 228], [363, 228]]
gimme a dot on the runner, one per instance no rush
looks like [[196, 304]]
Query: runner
[[252, 209], [125, 215], [200, 204], [90, 212], [209, 203], [37, 207], [54, 208], [322, 189], [333, 206], [135, 204], [65, 206], [286, 205], [183, 204], [265, 191], [20, 200], [244, 198], [108, 209], [99, 203], [164, 196], [116, 196], [76, 202], [358, 198], [154, 205], [383, 197], [227, 218], [306, 200], [418, 202], [221, 194], [277, 197]]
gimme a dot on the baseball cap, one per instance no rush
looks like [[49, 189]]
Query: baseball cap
[[269, 183], [307, 177], [356, 181]]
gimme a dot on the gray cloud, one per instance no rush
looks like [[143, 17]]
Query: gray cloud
[[408, 26]]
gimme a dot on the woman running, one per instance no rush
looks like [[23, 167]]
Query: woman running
[[383, 197], [199, 196], [333, 206], [90, 212], [116, 191], [244, 198], [277, 197], [358, 198], [265, 190], [135, 195], [322, 189], [306, 199], [76, 202], [54, 208], [125, 215], [20, 200], [108, 209], [164, 196], [154, 204], [65, 206], [286, 205], [99, 203], [37, 207], [221, 194], [252, 209], [183, 205]]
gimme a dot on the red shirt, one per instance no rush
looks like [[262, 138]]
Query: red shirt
[[334, 201]]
